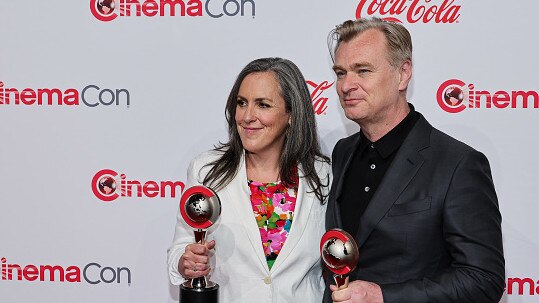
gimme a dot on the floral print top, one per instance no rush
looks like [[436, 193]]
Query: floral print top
[[273, 207]]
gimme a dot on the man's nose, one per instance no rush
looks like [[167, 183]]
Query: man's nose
[[348, 84]]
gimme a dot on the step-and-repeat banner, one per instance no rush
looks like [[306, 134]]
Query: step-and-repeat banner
[[104, 103]]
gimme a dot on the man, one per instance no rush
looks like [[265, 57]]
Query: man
[[420, 204]]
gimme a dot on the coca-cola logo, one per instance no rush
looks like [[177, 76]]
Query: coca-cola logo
[[413, 11], [319, 101]]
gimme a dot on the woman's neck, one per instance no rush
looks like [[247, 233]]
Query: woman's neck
[[262, 168]]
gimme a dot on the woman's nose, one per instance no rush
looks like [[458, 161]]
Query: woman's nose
[[249, 114]]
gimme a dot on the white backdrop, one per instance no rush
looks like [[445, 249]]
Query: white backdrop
[[167, 78]]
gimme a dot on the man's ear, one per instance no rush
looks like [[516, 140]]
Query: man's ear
[[405, 75]]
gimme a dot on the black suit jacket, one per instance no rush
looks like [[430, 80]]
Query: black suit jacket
[[431, 232]]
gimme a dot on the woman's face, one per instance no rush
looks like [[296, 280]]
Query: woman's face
[[261, 117]]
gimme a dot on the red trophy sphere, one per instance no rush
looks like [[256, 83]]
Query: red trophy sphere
[[340, 254]]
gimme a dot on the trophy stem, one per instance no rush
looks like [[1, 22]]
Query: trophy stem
[[340, 281], [199, 282], [200, 236]]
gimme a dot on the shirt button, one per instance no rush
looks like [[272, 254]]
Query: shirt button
[[373, 166], [372, 145], [267, 280], [367, 188]]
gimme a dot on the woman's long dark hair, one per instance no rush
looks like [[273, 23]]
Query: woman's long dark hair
[[301, 144]]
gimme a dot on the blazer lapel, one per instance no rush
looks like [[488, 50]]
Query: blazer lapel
[[339, 175], [404, 167], [349, 152], [304, 204], [239, 194]]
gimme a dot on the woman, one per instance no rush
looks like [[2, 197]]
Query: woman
[[273, 182]]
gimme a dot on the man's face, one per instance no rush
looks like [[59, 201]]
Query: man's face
[[369, 88]]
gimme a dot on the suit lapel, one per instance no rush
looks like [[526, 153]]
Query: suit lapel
[[349, 154], [239, 194], [304, 204], [404, 167], [339, 175]]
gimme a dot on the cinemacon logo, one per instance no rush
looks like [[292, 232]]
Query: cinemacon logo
[[454, 96], [92, 273], [108, 10], [91, 96], [108, 185], [522, 286], [412, 11]]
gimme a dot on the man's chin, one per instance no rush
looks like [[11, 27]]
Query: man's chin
[[354, 115]]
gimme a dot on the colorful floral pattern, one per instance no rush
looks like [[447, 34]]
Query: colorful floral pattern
[[273, 207]]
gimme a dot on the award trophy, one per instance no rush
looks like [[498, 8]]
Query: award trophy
[[340, 254], [200, 207]]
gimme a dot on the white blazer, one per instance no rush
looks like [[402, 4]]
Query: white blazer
[[238, 262]]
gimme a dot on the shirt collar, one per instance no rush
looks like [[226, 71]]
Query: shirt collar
[[391, 141]]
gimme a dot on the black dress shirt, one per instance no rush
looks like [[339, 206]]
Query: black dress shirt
[[366, 170]]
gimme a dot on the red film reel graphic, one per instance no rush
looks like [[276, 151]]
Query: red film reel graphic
[[451, 96], [104, 10]]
